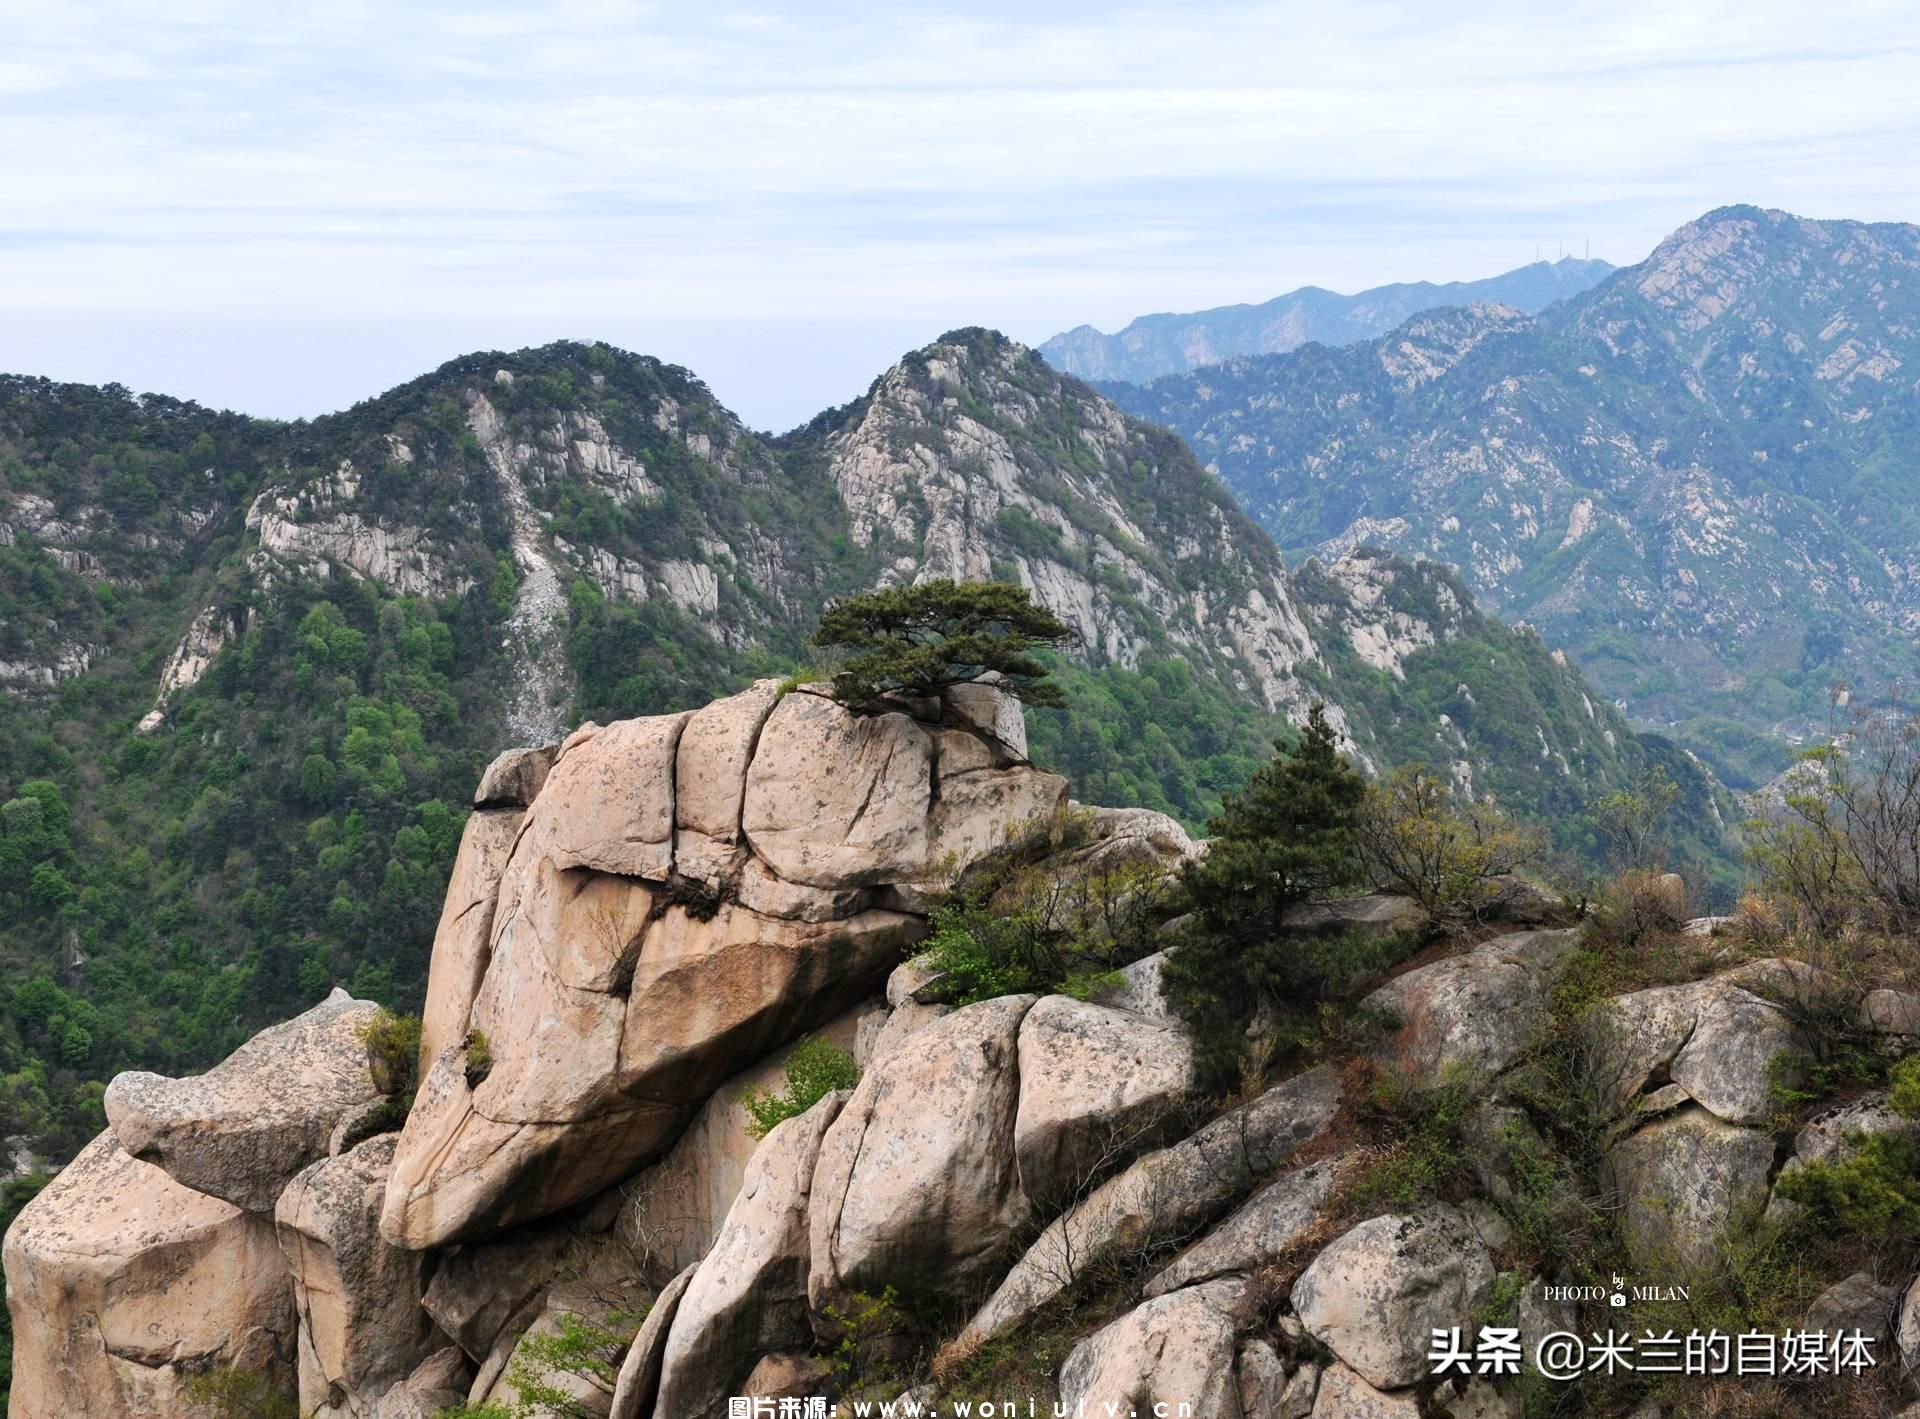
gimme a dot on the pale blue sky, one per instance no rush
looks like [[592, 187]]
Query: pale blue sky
[[287, 212]]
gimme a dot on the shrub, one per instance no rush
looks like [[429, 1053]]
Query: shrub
[[1872, 1188], [479, 1057], [393, 1051], [239, 1394], [1034, 916], [1633, 820], [915, 641], [814, 1069], [1443, 855]]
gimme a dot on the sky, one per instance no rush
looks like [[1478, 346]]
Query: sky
[[285, 212]]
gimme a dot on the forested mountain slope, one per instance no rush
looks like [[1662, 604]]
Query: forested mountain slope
[[253, 669], [1698, 477]]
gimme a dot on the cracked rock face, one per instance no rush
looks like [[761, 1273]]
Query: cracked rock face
[[684, 895], [1714, 1039], [123, 1283], [245, 1127], [918, 1178]]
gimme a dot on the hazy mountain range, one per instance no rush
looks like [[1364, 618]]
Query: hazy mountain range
[[1156, 345]]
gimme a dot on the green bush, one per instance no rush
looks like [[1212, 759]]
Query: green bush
[[1289, 838], [814, 1069], [1872, 1187], [1030, 918], [239, 1394], [393, 1051]]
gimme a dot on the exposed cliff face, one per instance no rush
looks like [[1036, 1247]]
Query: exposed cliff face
[[1685, 475]]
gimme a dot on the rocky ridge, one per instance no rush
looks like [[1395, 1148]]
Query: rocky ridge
[[646, 915], [1683, 475]]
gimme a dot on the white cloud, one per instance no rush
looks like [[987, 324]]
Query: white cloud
[[617, 167]]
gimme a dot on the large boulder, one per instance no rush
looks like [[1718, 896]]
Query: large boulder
[[685, 895], [462, 943], [1178, 1349], [671, 1211], [919, 1184], [987, 709], [1142, 989], [638, 1382], [835, 799], [1163, 1196], [515, 777], [362, 1329], [123, 1284], [1268, 1391], [1275, 1219], [607, 1015], [748, 1299], [979, 811], [483, 1290], [1375, 1295], [1857, 1304], [1685, 1182], [244, 1128], [607, 804], [1097, 1087], [1475, 1012], [1715, 1039]]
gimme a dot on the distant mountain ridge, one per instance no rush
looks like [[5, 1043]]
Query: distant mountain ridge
[[1156, 345], [1700, 476]]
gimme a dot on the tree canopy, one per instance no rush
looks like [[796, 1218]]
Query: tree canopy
[[915, 641]]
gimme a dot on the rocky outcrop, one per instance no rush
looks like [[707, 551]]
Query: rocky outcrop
[[1097, 1086], [362, 1328], [1343, 1394], [1684, 1182], [1177, 1349], [1475, 1012], [638, 1383], [610, 999], [1376, 1295], [1166, 1195], [462, 943], [242, 1130], [748, 1298], [1716, 1040], [122, 1284], [919, 1181], [1278, 1217]]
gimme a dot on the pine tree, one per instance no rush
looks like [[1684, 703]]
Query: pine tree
[[1289, 838], [916, 640]]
